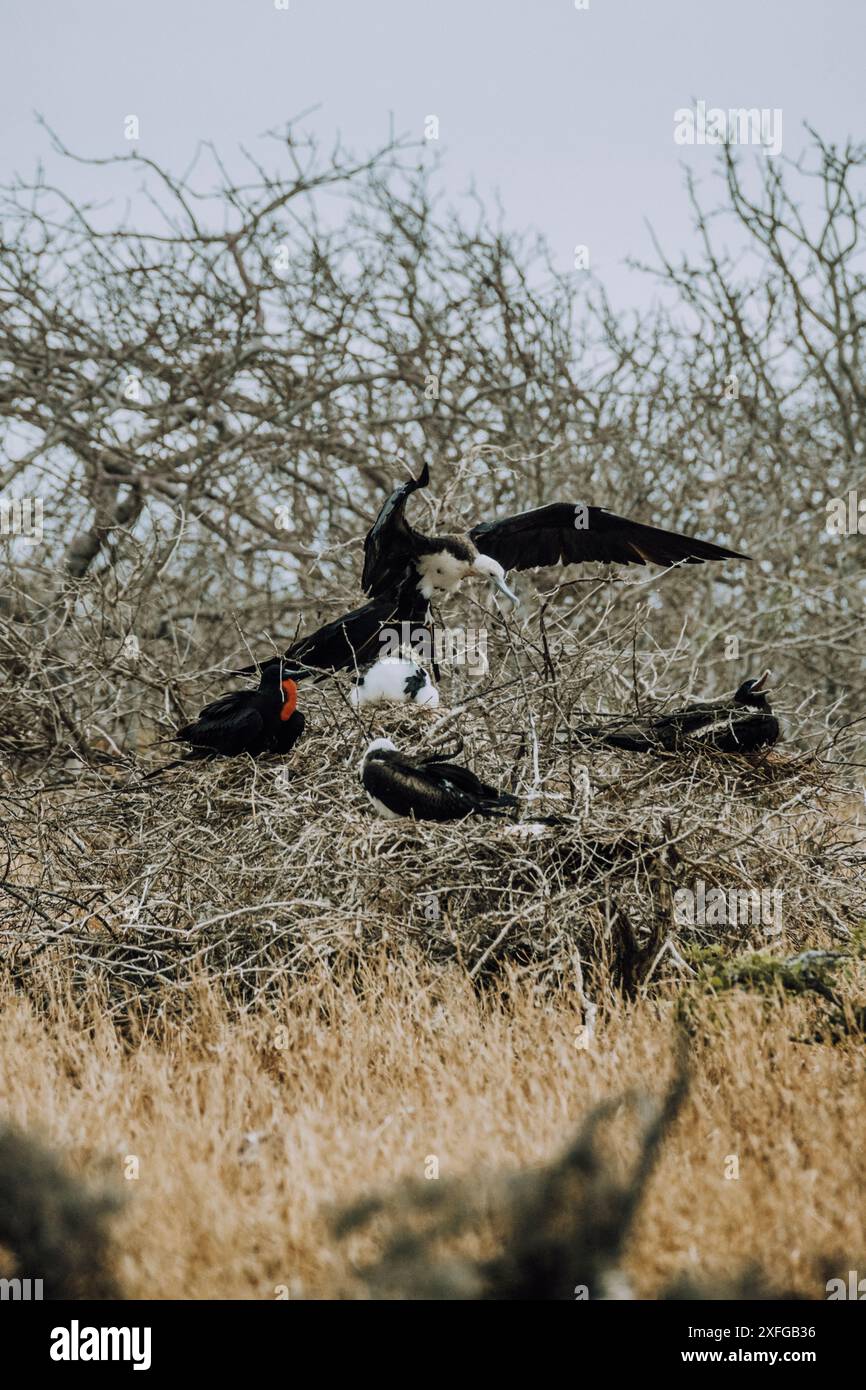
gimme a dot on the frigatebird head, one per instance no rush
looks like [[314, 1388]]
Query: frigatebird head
[[379, 745], [754, 692], [277, 679], [492, 570], [446, 561]]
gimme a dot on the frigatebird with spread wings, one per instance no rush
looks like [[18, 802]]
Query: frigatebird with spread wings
[[561, 533], [403, 568]]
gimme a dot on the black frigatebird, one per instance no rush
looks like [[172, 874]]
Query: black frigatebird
[[433, 788], [255, 722], [561, 533], [740, 724], [426, 788], [403, 568]]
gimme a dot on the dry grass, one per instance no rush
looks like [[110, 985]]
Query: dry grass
[[246, 1136]]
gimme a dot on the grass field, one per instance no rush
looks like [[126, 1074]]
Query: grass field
[[246, 1132]]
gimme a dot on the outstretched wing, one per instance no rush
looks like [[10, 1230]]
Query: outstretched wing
[[388, 547], [564, 533]]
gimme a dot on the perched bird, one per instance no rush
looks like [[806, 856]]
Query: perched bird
[[426, 788], [561, 533], [255, 722], [740, 724], [396, 680]]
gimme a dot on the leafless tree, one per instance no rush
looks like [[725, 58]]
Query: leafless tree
[[213, 391]]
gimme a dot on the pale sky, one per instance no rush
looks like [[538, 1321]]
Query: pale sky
[[567, 113]]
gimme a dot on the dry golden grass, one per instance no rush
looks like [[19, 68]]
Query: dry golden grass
[[247, 1136]]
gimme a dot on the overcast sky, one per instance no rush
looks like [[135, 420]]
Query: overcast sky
[[568, 113]]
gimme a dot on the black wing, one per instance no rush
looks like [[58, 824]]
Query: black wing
[[569, 534], [627, 736], [409, 787], [224, 707], [354, 639], [389, 545], [744, 731], [726, 727], [225, 727], [465, 780], [639, 734]]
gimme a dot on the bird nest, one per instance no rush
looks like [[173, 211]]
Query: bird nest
[[258, 873]]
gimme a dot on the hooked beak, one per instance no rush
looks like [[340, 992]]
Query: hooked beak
[[503, 588], [761, 683]]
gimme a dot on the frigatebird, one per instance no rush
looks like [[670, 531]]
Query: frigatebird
[[740, 724], [394, 679], [255, 722], [426, 788], [561, 533], [404, 568]]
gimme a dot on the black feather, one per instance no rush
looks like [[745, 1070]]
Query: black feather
[[552, 535], [242, 722], [740, 724], [429, 790], [391, 543], [356, 639]]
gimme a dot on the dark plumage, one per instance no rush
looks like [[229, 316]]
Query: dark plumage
[[556, 535], [357, 638], [561, 533], [404, 568], [740, 724], [426, 788], [254, 722], [391, 543]]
